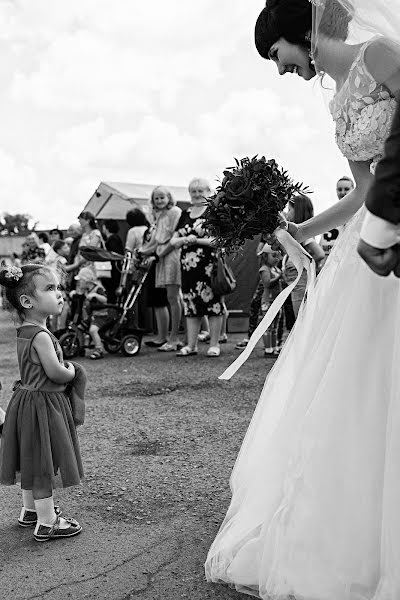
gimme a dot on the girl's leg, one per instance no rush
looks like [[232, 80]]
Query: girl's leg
[[174, 301], [192, 328], [223, 334], [162, 320], [255, 307], [98, 351], [215, 330], [49, 523]]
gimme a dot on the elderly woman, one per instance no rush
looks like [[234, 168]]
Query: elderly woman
[[32, 252]]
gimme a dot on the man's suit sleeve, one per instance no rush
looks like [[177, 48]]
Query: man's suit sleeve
[[383, 198]]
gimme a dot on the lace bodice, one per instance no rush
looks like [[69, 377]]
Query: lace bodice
[[362, 110]]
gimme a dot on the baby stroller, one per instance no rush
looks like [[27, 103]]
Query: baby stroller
[[116, 333]]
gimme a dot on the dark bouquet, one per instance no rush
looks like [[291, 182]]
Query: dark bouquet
[[248, 202]]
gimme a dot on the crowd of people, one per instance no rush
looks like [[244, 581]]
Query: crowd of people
[[178, 290]]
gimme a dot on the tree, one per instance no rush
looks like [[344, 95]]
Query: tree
[[15, 224]]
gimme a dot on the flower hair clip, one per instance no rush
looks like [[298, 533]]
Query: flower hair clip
[[13, 273]]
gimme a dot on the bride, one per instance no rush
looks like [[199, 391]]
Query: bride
[[315, 510]]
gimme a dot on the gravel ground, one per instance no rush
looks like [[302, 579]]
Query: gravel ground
[[158, 445]]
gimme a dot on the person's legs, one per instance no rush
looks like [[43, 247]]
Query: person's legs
[[204, 335], [270, 337], [215, 330], [98, 351], [223, 333], [174, 301], [192, 328], [162, 321]]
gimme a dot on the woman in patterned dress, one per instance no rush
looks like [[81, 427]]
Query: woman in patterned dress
[[198, 260]]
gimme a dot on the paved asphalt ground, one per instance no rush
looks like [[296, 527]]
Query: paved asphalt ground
[[159, 442]]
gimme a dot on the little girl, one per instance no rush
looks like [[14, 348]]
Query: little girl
[[271, 277], [39, 436]]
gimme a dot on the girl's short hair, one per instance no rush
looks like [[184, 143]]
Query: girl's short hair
[[171, 201], [303, 208], [136, 218], [58, 244], [112, 225], [17, 285]]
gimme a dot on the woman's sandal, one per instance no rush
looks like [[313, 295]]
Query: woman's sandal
[[96, 354], [168, 347], [186, 351], [214, 351]]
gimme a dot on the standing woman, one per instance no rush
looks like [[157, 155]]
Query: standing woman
[[113, 244], [198, 260], [91, 236], [168, 269], [300, 209]]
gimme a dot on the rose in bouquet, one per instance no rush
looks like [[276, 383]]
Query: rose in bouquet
[[248, 202]]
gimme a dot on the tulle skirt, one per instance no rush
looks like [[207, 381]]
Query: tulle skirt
[[315, 510], [39, 446]]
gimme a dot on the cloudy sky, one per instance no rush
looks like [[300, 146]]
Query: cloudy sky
[[146, 92]]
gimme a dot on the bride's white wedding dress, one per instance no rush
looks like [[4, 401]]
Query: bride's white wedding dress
[[315, 511]]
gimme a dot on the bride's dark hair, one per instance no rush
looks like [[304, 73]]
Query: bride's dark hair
[[292, 20]]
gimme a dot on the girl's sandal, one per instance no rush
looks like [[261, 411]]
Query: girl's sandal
[[96, 354], [186, 351]]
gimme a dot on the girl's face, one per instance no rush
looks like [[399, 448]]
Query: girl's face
[[198, 192], [83, 222], [291, 58], [160, 198], [47, 299], [290, 212], [273, 258], [64, 250]]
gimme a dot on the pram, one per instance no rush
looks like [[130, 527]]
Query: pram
[[116, 333]]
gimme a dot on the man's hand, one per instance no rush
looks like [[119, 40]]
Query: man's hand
[[381, 261]]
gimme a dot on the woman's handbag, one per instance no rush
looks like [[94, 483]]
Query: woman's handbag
[[223, 281]]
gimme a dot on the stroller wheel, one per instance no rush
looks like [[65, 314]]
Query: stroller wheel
[[131, 345], [70, 345], [112, 345]]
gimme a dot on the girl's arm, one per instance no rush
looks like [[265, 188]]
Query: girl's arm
[[341, 212], [55, 371], [316, 252]]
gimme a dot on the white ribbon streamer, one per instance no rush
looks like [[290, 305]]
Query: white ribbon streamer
[[301, 260]]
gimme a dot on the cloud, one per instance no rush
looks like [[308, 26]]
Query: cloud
[[147, 92]]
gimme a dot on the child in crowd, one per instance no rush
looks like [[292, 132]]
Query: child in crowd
[[92, 308], [271, 277], [39, 442]]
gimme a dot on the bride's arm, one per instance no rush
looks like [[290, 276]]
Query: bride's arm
[[341, 212]]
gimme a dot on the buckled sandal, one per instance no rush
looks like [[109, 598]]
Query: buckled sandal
[[28, 518], [43, 533]]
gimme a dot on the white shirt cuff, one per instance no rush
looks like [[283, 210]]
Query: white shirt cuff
[[378, 232]]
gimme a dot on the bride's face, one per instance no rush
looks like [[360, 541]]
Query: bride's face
[[291, 58]]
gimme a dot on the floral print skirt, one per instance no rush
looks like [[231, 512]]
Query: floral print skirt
[[198, 298]]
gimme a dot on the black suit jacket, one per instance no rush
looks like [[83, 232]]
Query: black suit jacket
[[383, 198]]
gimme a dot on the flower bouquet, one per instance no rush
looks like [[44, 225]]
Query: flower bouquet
[[248, 202]]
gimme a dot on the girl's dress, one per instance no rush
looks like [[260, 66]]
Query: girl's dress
[[315, 510], [197, 264], [40, 444]]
